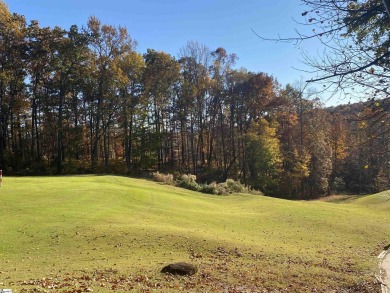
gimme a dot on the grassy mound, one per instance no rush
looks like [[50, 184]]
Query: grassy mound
[[105, 233]]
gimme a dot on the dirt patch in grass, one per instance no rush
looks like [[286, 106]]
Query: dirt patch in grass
[[339, 198]]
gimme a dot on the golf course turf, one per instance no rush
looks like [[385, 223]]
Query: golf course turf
[[105, 233]]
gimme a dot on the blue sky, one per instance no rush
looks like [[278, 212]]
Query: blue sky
[[168, 25]]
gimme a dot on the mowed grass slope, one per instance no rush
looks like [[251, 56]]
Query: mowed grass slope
[[104, 233]]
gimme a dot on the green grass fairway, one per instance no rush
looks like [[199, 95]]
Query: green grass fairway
[[103, 233]]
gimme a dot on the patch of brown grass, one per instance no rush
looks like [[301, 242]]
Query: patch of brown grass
[[338, 198]]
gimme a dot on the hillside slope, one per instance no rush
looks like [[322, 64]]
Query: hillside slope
[[106, 232]]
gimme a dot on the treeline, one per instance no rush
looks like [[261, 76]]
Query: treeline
[[84, 100]]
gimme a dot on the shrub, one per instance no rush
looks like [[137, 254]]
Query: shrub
[[254, 191], [208, 188], [214, 188], [188, 181], [234, 186], [225, 188], [164, 178], [222, 189]]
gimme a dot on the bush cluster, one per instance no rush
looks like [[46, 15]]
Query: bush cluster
[[188, 181], [164, 178]]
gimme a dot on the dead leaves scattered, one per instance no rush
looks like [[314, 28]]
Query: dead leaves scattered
[[220, 270]]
